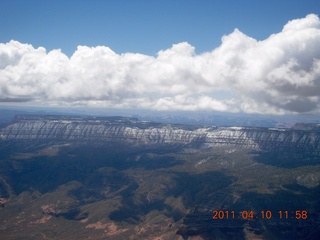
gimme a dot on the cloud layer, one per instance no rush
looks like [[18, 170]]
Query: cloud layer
[[280, 74]]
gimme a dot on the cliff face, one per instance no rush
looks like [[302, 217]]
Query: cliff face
[[64, 128]]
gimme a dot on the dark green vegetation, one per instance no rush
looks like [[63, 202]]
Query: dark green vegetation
[[70, 190]]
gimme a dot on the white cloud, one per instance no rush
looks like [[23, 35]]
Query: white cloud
[[277, 75]]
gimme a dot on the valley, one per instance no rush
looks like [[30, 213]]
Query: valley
[[66, 177]]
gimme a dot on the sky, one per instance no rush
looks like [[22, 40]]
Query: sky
[[230, 56]]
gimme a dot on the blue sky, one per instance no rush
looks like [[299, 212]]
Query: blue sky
[[144, 26], [232, 56]]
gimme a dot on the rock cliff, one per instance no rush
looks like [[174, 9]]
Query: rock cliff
[[131, 130]]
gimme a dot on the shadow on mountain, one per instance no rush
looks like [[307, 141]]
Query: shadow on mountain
[[193, 188], [72, 214], [79, 163], [130, 211], [197, 188], [287, 158], [294, 199]]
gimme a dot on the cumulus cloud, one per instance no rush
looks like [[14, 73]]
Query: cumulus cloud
[[280, 74]]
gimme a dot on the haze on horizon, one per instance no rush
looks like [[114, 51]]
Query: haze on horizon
[[270, 73]]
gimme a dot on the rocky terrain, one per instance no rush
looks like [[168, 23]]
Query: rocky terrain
[[67, 177], [111, 129]]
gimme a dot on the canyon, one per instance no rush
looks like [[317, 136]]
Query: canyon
[[82, 177]]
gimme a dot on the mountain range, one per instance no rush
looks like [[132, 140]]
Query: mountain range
[[82, 177]]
